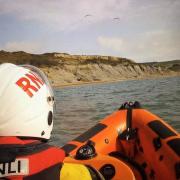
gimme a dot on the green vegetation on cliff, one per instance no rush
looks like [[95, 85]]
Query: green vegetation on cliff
[[54, 59], [21, 57]]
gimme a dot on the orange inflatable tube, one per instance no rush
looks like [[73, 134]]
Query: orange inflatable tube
[[131, 143]]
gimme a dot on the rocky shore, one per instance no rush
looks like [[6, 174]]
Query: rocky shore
[[63, 69]]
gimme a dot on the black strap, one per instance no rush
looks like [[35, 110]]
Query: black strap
[[8, 153], [129, 133]]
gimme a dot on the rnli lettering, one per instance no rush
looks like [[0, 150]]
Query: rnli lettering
[[17, 167], [30, 83]]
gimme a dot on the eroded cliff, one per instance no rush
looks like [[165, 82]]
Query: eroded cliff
[[65, 69]]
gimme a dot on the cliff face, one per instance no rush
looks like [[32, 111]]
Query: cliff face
[[78, 69], [64, 69]]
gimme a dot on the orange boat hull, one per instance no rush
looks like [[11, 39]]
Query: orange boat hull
[[129, 144]]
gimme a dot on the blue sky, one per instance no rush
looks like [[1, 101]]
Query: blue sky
[[141, 30]]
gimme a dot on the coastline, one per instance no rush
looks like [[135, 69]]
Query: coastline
[[65, 70], [114, 81]]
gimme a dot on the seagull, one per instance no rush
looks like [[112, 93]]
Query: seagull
[[87, 15], [116, 18]]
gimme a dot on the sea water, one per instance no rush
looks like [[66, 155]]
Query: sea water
[[78, 108]]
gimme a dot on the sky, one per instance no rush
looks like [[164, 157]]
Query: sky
[[141, 30]]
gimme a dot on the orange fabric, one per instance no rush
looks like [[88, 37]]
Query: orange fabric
[[159, 162], [14, 140], [45, 159], [37, 161]]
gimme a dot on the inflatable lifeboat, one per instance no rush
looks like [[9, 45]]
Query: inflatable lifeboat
[[131, 143]]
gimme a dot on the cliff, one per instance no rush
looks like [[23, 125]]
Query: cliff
[[65, 69]]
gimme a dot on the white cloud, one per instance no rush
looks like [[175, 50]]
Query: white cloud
[[155, 45], [31, 47], [135, 35], [64, 14]]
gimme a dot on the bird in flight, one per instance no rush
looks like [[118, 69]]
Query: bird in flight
[[87, 15], [116, 18]]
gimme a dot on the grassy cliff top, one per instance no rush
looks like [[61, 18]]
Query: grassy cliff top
[[55, 59]]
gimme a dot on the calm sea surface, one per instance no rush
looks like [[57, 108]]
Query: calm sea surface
[[80, 107]]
